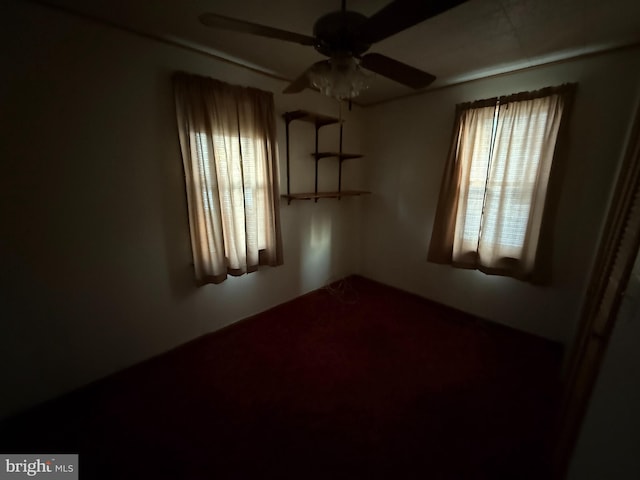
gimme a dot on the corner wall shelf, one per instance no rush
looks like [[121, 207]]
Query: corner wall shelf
[[319, 121], [315, 196], [338, 155]]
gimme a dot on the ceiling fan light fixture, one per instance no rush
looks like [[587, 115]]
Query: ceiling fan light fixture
[[345, 36], [340, 77]]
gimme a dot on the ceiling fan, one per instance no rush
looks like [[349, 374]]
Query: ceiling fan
[[344, 36]]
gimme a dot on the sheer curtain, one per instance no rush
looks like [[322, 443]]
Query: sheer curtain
[[473, 154], [525, 140], [490, 212], [228, 144]]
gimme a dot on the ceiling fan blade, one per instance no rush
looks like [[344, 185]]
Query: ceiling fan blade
[[400, 15], [227, 23], [303, 81], [397, 71]]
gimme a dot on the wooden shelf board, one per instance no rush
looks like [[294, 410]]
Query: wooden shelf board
[[341, 156], [312, 195], [306, 116]]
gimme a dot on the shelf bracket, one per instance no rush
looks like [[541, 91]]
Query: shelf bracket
[[340, 163], [317, 159], [287, 122]]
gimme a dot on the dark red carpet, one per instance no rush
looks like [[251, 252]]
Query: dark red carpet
[[360, 381]]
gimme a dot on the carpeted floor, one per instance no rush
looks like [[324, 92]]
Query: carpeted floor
[[357, 381]]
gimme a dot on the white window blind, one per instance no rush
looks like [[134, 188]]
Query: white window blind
[[241, 193]]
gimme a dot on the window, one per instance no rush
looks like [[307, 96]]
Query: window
[[238, 196], [495, 184], [227, 139]]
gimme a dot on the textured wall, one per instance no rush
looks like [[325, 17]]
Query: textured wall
[[407, 143], [95, 246]]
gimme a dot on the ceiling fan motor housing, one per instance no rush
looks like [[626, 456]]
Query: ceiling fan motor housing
[[337, 34]]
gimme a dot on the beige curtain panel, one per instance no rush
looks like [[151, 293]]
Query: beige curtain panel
[[228, 143], [494, 189]]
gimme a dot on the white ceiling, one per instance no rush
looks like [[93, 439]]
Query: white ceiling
[[475, 39]]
